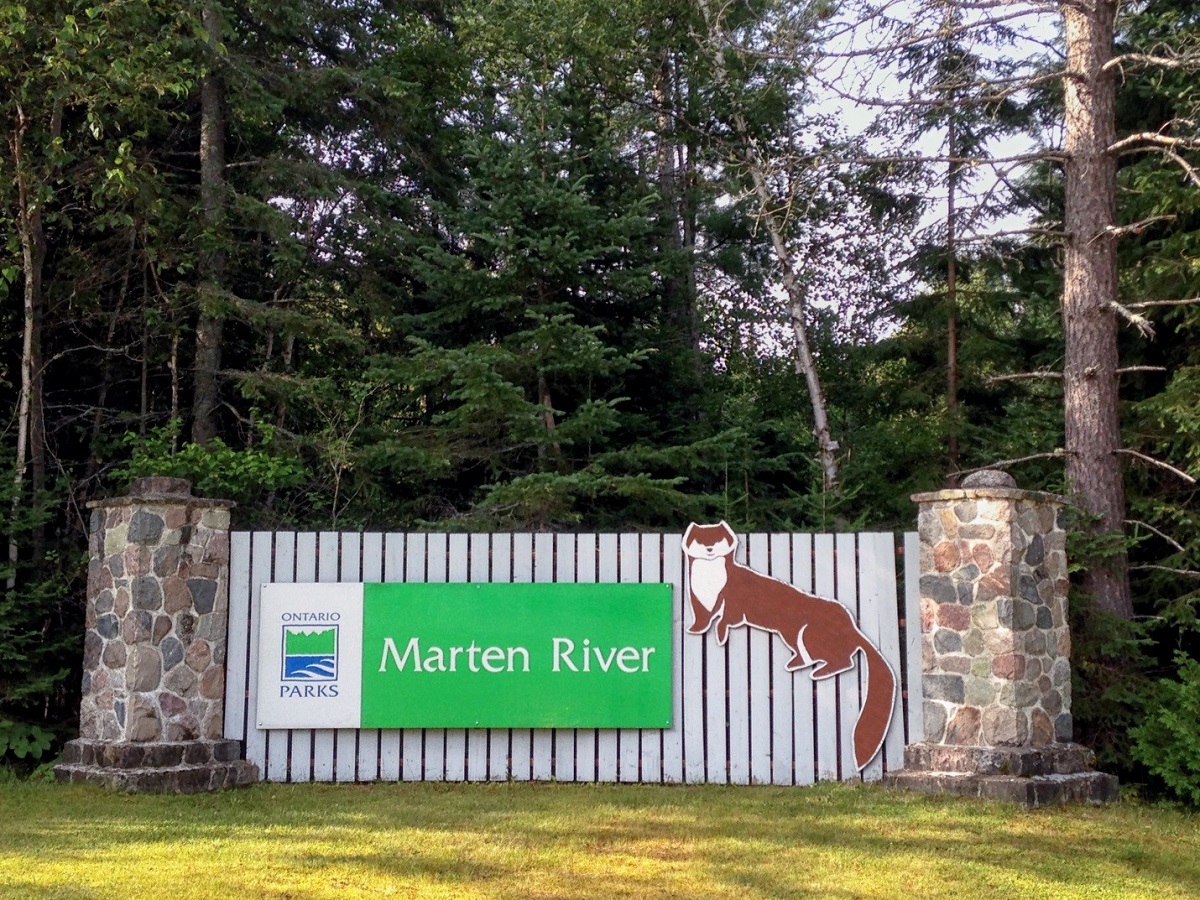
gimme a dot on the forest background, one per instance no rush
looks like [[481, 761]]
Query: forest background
[[571, 265]]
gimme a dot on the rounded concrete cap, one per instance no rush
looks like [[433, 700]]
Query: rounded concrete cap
[[989, 478], [160, 486]]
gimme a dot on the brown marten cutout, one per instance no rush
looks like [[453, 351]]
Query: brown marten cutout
[[819, 632]]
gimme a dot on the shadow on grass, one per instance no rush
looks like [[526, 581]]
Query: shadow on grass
[[511, 839]]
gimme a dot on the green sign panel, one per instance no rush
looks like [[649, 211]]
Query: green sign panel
[[465, 656]]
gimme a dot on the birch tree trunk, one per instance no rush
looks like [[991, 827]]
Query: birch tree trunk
[[30, 449], [1090, 291], [770, 216]]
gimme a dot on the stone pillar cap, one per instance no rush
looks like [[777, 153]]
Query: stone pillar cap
[[990, 484], [160, 489]]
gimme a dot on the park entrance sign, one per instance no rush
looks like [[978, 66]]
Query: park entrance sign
[[465, 656]]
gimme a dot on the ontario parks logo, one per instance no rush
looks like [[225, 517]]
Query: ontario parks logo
[[310, 653]]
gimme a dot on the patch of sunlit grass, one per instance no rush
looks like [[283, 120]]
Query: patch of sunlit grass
[[573, 841]]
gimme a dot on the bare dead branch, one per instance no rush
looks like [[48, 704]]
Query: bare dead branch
[[1045, 375], [1188, 169], [1166, 537], [1000, 464], [1144, 326], [1145, 140], [1189, 573], [939, 31], [1147, 60], [1147, 304], [1130, 369], [1156, 462], [1136, 227], [993, 235]]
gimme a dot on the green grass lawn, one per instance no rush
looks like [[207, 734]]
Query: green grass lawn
[[523, 840]]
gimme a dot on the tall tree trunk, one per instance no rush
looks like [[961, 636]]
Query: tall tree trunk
[[952, 298], [1090, 291], [30, 449], [673, 162], [210, 324]]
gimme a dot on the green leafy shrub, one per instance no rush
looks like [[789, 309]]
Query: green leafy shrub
[[23, 741], [216, 470], [1168, 740]]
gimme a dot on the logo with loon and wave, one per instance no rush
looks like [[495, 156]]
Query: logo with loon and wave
[[310, 654]]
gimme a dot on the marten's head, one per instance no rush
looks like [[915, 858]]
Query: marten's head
[[709, 541]]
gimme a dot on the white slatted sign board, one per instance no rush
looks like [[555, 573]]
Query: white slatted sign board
[[739, 716]]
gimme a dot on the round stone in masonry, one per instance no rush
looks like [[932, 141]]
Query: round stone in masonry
[[172, 652], [943, 687], [145, 528], [147, 593], [989, 478]]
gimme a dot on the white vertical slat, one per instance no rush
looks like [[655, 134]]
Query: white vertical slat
[[324, 739], [914, 686], [499, 739], [672, 739], [300, 768], [651, 738], [543, 738], [521, 741], [693, 684], [435, 738], [260, 571], [737, 651], [827, 711], [459, 569], [877, 561], [390, 741], [716, 713], [477, 738], [368, 762], [803, 690], [278, 739], [564, 738], [629, 740], [849, 688], [606, 738], [585, 738], [781, 680], [412, 749], [239, 657], [761, 647], [346, 739]]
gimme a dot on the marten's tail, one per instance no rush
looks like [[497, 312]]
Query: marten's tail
[[877, 707]]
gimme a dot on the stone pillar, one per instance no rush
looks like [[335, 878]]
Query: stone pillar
[[995, 649], [152, 711]]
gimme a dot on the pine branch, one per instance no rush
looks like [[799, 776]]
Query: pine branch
[[1156, 462]]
